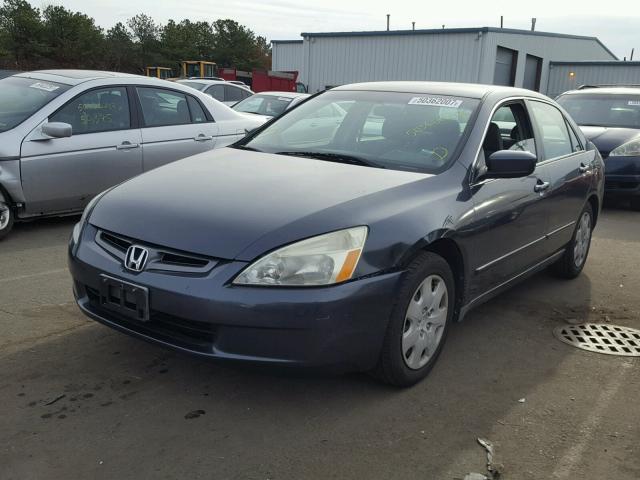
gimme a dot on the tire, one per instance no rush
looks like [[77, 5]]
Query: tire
[[575, 255], [7, 217], [414, 322]]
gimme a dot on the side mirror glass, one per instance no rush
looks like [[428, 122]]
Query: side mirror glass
[[510, 164], [57, 130]]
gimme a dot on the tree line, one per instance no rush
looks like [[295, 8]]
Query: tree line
[[56, 37]]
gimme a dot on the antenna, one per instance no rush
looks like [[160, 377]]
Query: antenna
[[631, 57]]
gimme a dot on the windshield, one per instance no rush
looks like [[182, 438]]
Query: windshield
[[615, 110], [22, 97], [271, 105], [401, 131], [196, 85]]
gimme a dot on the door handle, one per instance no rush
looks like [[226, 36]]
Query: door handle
[[541, 186], [583, 168], [203, 138], [127, 146]]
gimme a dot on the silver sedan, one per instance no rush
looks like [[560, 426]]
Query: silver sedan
[[66, 135]]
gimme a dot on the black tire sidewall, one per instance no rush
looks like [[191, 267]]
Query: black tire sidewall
[[396, 370], [5, 231]]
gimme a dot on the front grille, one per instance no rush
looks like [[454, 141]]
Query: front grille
[[190, 334], [160, 259]]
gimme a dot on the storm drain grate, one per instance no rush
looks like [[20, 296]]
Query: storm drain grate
[[601, 338]]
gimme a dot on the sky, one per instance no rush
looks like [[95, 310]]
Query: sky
[[616, 25]]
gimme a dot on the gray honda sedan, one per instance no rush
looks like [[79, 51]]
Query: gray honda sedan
[[66, 135], [354, 247]]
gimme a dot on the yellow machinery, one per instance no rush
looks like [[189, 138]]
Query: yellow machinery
[[199, 69], [159, 72]]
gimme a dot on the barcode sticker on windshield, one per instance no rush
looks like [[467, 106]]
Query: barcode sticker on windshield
[[47, 87], [634, 102], [436, 101]]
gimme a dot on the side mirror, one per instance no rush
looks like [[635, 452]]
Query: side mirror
[[57, 130], [510, 164]]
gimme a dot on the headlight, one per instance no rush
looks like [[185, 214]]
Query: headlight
[[77, 229], [629, 149], [322, 260]]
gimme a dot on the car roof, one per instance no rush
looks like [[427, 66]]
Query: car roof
[[206, 81], [605, 91], [471, 90], [73, 77], [284, 94]]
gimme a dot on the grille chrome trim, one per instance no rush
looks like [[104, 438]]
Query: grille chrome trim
[[160, 259]]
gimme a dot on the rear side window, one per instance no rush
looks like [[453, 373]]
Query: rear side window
[[553, 129], [217, 92], [197, 113], [99, 110], [162, 107]]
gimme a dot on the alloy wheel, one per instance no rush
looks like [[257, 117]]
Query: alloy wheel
[[5, 215]]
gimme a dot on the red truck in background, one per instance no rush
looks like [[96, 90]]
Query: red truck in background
[[264, 80]]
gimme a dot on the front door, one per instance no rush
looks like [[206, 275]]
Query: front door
[[174, 126], [63, 174], [510, 214]]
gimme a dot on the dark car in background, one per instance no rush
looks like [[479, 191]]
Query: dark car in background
[[609, 116], [354, 249]]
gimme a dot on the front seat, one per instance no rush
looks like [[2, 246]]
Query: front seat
[[493, 140]]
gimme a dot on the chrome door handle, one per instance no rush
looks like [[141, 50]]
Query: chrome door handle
[[583, 168], [127, 146], [203, 138], [541, 186]]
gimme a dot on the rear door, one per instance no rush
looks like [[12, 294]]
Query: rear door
[[570, 171], [511, 214], [63, 174], [175, 125]]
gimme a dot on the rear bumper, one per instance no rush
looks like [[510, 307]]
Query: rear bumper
[[341, 327]]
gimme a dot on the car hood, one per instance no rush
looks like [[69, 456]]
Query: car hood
[[220, 203], [606, 139]]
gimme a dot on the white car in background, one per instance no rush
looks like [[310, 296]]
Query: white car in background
[[223, 91], [67, 135], [271, 104]]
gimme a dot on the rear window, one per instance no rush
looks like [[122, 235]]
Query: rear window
[[22, 97], [602, 110], [271, 105]]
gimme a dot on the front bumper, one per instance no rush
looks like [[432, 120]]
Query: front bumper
[[341, 326], [622, 176]]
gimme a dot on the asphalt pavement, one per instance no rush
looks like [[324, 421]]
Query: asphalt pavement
[[80, 401]]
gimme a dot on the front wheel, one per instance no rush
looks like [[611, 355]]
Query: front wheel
[[419, 322], [575, 255], [6, 219]]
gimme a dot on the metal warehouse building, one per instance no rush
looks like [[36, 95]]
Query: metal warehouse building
[[502, 56], [565, 76]]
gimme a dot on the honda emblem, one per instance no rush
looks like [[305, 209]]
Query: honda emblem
[[136, 258]]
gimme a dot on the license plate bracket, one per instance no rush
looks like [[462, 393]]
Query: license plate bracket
[[125, 298]]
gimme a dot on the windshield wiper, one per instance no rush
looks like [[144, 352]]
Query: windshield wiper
[[245, 147], [333, 157]]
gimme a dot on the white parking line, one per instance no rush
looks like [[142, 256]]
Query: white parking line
[[32, 275]]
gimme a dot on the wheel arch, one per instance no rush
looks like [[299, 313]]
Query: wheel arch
[[595, 207]]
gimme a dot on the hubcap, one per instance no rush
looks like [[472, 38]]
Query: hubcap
[[583, 238], [4, 216], [424, 322]]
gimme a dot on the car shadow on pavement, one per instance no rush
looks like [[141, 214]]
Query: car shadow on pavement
[[129, 404]]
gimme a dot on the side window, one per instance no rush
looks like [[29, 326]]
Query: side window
[[162, 107], [509, 129], [553, 128], [197, 113], [575, 143], [216, 91], [101, 110], [232, 94]]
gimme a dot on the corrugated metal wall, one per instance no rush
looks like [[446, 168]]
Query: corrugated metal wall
[[548, 48], [338, 60], [610, 73], [287, 56]]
